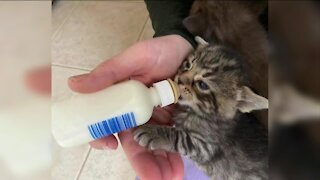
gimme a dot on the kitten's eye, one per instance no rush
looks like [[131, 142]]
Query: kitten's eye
[[202, 85], [187, 65]]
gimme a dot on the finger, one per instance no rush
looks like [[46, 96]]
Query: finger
[[104, 75], [132, 62], [39, 80], [160, 153], [147, 80], [176, 165], [109, 142], [143, 161], [161, 116], [170, 108], [165, 167], [146, 166], [149, 165]]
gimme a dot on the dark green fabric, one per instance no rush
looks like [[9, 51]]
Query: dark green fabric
[[167, 17]]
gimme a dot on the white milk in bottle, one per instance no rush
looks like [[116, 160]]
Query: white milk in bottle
[[86, 117]]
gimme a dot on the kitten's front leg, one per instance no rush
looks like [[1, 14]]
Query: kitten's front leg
[[155, 137], [190, 144]]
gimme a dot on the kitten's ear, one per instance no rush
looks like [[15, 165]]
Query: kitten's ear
[[201, 42], [249, 101], [195, 23]]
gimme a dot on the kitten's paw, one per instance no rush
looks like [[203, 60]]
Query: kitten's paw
[[147, 136]]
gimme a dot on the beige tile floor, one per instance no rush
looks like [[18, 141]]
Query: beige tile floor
[[83, 35]]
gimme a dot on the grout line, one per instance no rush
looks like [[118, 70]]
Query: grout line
[[83, 164], [64, 20], [143, 29], [70, 67]]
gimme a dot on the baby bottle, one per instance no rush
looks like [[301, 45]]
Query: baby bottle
[[86, 117]]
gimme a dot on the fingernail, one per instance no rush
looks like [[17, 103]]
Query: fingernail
[[78, 77], [108, 147]]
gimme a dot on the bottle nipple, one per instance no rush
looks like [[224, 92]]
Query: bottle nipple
[[175, 89], [168, 92]]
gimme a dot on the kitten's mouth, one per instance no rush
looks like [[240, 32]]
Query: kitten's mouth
[[185, 107], [184, 103]]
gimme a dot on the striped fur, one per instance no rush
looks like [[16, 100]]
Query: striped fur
[[209, 129]]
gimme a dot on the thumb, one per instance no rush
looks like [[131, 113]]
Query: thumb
[[109, 72]]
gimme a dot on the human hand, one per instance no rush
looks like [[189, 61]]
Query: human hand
[[147, 61], [39, 80]]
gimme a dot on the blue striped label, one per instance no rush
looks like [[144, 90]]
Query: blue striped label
[[112, 125]]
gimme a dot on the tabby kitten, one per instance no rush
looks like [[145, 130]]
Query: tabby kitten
[[211, 124], [236, 23]]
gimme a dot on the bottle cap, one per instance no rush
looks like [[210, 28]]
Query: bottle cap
[[168, 92]]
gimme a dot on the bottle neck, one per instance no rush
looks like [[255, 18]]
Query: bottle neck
[[155, 96], [175, 90]]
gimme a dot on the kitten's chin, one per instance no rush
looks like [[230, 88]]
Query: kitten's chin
[[189, 107], [185, 104]]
